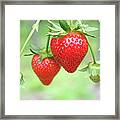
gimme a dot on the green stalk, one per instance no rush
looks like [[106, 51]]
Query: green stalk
[[71, 23], [92, 53], [47, 46], [48, 41], [35, 27]]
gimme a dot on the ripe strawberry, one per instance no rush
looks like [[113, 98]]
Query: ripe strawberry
[[45, 69], [69, 50]]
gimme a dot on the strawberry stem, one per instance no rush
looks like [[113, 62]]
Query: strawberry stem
[[48, 40], [47, 46], [92, 53], [35, 27]]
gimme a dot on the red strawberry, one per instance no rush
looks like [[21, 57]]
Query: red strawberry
[[69, 50], [45, 69]]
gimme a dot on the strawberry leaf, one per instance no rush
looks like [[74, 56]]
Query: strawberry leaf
[[28, 54], [54, 25], [89, 35], [64, 25], [34, 51], [90, 29], [53, 29], [51, 33], [84, 69], [85, 26]]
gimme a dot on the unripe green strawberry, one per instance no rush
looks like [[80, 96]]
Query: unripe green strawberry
[[45, 69], [94, 71], [69, 50]]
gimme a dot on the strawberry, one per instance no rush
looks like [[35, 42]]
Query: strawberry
[[45, 69], [69, 50]]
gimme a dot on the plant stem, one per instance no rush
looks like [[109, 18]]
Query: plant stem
[[71, 23], [47, 46], [29, 36], [92, 53], [48, 40]]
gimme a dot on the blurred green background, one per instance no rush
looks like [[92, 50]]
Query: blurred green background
[[65, 86]]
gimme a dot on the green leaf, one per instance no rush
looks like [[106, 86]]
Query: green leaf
[[35, 51], [77, 25], [84, 69], [90, 29], [28, 54], [53, 29], [54, 25], [50, 33], [89, 35], [86, 27], [64, 25]]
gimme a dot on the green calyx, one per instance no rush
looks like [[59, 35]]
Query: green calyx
[[65, 26], [41, 52]]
